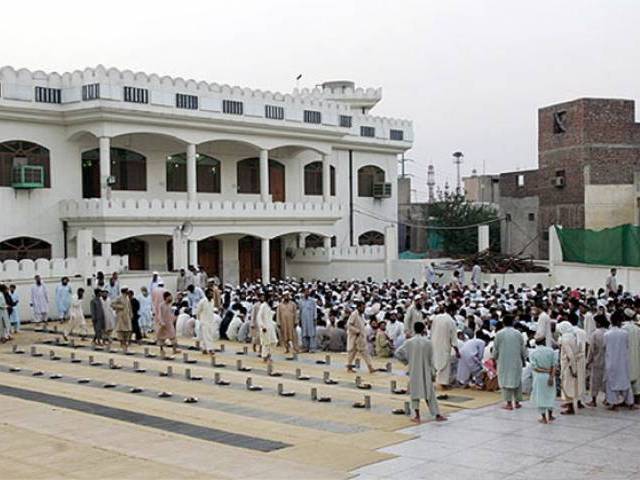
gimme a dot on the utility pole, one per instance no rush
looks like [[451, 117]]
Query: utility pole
[[431, 182], [457, 160], [402, 162]]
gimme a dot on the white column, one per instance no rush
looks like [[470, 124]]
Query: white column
[[302, 240], [84, 252], [106, 249], [326, 178], [191, 172], [266, 261], [179, 250], [193, 252], [483, 238], [327, 247], [264, 175], [105, 166]]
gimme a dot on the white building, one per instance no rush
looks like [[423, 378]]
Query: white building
[[170, 172]]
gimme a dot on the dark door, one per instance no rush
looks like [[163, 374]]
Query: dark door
[[209, 256], [90, 179], [275, 258], [136, 249], [276, 181], [249, 257]]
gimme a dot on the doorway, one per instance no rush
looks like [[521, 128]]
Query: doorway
[[209, 256], [276, 181], [90, 178]]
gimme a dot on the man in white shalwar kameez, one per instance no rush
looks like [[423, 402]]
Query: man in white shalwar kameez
[[266, 328], [206, 313], [76, 316], [417, 353], [543, 328], [568, 366], [444, 336], [39, 300], [634, 349], [616, 364]]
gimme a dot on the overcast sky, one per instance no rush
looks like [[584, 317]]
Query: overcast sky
[[470, 74]]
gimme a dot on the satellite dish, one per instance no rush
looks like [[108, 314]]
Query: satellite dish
[[186, 228]]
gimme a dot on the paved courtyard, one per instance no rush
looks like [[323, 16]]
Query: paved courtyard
[[491, 443]]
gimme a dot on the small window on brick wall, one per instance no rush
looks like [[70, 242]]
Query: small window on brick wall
[[520, 181], [532, 217], [507, 217], [560, 122]]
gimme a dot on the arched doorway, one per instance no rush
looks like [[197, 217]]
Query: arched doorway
[[21, 248], [135, 248], [209, 256], [250, 258], [276, 181]]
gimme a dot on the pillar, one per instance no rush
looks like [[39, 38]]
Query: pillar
[[390, 250], [302, 240], [84, 252], [326, 178], [193, 252], [266, 261], [191, 172], [106, 249], [105, 166], [327, 247], [264, 175], [179, 250], [483, 238]]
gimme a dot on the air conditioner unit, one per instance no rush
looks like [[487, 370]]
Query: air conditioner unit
[[558, 182], [382, 190], [27, 177]]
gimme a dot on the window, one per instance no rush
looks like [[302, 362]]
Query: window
[[188, 102], [371, 238], [545, 235], [396, 134], [317, 241], [560, 122], [313, 179], [22, 248], [248, 171], [367, 177], [532, 217], [312, 116], [346, 121], [367, 131], [507, 217], [48, 95], [128, 167], [520, 181], [207, 173], [17, 152], [91, 92], [273, 111], [136, 95], [232, 107]]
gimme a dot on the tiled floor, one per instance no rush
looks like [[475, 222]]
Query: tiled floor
[[491, 443]]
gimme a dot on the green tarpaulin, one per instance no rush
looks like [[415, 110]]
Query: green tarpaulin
[[611, 246]]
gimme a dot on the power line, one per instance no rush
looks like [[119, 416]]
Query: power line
[[433, 227]]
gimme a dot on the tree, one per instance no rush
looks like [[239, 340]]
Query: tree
[[453, 210]]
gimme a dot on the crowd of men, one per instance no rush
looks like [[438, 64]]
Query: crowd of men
[[575, 342]]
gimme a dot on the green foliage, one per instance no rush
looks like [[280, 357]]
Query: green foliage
[[452, 210]]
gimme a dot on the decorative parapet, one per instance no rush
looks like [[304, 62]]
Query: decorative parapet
[[182, 209], [370, 253], [58, 267], [19, 85]]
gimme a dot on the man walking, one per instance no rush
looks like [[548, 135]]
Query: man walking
[[509, 352]]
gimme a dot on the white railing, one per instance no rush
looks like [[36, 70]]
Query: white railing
[[58, 267], [134, 208]]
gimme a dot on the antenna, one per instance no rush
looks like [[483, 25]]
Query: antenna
[[431, 182]]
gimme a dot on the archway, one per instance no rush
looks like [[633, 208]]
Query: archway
[[209, 256], [250, 258], [135, 248], [128, 168], [17, 153], [248, 178], [21, 248], [371, 237], [368, 176]]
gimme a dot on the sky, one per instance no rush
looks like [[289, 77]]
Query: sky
[[470, 74]]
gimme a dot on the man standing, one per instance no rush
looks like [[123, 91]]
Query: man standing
[[206, 314], [509, 351], [135, 317], [122, 306], [76, 316], [308, 315], [266, 328], [15, 312], [543, 329], [634, 349], [39, 300], [63, 298], [286, 319], [568, 366], [413, 316], [97, 317], [595, 358], [357, 338], [181, 281], [432, 276], [543, 392], [113, 289], [611, 284], [166, 322], [476, 271], [444, 336], [616, 364], [417, 352]]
